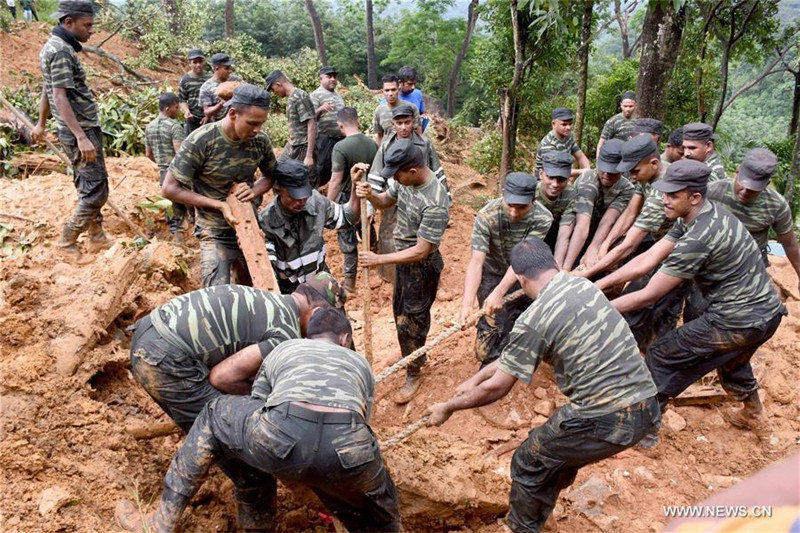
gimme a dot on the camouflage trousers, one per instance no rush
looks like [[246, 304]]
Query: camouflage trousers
[[492, 332], [659, 318], [323, 149], [549, 459], [686, 354], [385, 243], [414, 293], [91, 182], [178, 210], [221, 260], [334, 454]]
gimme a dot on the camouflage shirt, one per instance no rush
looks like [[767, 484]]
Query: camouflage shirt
[[299, 110], [618, 127], [382, 119], [494, 234], [212, 324], [62, 68], [717, 168], [327, 121], [652, 218], [295, 241], [208, 95], [358, 148], [718, 252], [562, 208], [316, 372], [768, 211], [572, 326], [160, 135], [189, 92], [553, 143], [209, 163], [592, 199], [380, 184], [422, 211]]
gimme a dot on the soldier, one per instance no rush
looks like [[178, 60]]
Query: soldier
[[651, 126], [327, 102], [214, 160], [300, 117], [499, 226], [383, 119], [306, 421], [213, 107], [163, 138], [356, 147], [600, 196], [560, 139], [189, 90], [294, 222], [612, 403], [66, 95], [709, 245], [423, 209], [674, 150], [757, 206], [698, 144], [558, 196], [620, 126]]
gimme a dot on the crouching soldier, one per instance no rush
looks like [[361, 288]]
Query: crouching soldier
[[306, 421]]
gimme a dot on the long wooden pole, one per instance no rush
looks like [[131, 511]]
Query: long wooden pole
[[251, 241], [358, 172]]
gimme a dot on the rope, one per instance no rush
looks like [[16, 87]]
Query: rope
[[403, 434]]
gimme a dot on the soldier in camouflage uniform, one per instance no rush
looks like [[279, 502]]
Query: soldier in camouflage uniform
[[560, 139], [213, 107], [163, 137], [612, 403], [383, 118], [674, 150], [600, 196], [66, 95], [214, 160], [300, 115], [305, 421], [423, 209], [621, 125], [295, 221], [709, 245], [499, 226], [558, 196], [698, 144], [327, 102], [189, 90]]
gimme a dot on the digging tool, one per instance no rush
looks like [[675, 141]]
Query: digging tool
[[357, 173], [251, 241], [67, 162]]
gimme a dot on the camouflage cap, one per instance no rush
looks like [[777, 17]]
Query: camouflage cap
[[403, 110], [682, 174], [274, 76], [194, 53], [698, 131], [325, 284], [635, 150], [329, 71], [83, 8], [403, 153], [520, 188], [557, 164], [293, 176], [757, 168], [649, 125], [610, 156], [562, 113], [249, 94], [628, 95], [221, 59]]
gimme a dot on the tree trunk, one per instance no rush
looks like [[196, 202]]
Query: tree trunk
[[508, 99], [472, 17], [622, 20], [701, 105], [794, 175], [372, 75], [583, 59], [793, 130], [319, 41], [661, 42], [230, 18]]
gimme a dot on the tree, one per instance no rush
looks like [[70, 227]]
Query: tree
[[622, 14], [583, 60], [319, 41], [472, 17], [661, 42], [230, 18], [372, 75]]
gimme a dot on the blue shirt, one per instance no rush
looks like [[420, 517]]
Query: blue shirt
[[415, 97]]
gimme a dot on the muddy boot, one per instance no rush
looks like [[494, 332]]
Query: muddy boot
[[98, 238], [350, 283], [69, 243], [748, 417], [648, 442], [252, 517], [130, 518], [409, 389]]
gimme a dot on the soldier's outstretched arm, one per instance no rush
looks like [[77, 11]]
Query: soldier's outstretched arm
[[578, 239], [472, 280], [235, 374], [485, 392], [789, 242], [659, 285], [639, 265]]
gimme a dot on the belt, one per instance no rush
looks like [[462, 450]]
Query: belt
[[323, 417]]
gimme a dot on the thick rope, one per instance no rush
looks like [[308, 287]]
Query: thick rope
[[403, 434]]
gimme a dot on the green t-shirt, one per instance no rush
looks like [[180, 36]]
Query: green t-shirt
[[299, 110], [358, 148], [62, 68], [160, 135]]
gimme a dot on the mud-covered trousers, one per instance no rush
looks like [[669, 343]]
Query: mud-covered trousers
[[548, 460], [221, 260], [686, 354], [659, 318], [91, 182], [178, 383], [334, 454], [414, 293], [492, 332]]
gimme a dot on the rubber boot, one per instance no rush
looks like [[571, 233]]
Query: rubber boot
[[750, 416], [97, 237], [409, 389], [69, 243]]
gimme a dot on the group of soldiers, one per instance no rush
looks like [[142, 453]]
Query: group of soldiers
[[608, 259]]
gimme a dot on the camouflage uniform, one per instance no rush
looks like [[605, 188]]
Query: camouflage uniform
[[189, 93], [553, 143], [333, 453], [494, 234], [618, 127], [208, 95], [160, 135], [718, 253], [572, 326], [717, 168], [382, 120], [61, 68], [328, 132], [562, 209], [175, 347], [593, 200], [210, 164], [358, 148], [295, 241], [422, 212], [299, 110]]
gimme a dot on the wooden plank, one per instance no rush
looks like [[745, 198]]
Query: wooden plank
[[251, 241]]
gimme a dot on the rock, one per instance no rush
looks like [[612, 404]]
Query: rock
[[540, 393], [589, 497], [645, 475], [544, 407], [52, 500], [605, 522], [702, 438], [513, 419], [774, 441], [673, 421]]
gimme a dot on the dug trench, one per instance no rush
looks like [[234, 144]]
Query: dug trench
[[66, 458]]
